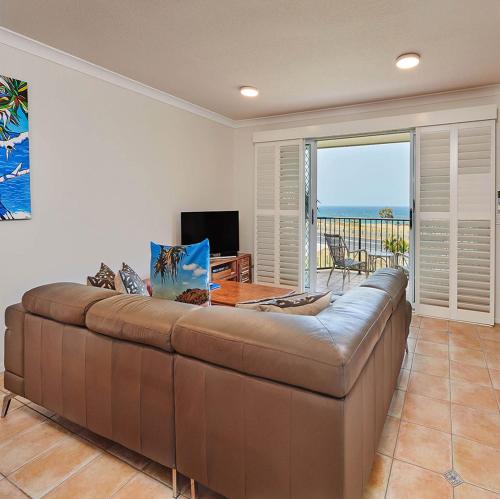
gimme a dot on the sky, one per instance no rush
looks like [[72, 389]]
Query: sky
[[372, 175]]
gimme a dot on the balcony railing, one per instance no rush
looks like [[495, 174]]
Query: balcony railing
[[375, 235]]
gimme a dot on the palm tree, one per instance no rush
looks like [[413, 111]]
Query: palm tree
[[13, 97], [167, 263]]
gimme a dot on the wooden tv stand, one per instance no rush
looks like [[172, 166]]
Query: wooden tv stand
[[233, 268]]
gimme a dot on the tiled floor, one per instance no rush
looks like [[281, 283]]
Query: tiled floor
[[444, 416], [44, 455]]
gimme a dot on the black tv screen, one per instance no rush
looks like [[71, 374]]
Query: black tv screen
[[221, 228]]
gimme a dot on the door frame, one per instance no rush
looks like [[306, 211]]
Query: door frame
[[311, 215]]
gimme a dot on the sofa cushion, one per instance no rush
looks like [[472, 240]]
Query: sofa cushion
[[137, 318], [294, 304], [323, 353], [391, 281], [65, 302]]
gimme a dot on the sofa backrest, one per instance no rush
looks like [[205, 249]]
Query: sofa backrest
[[323, 353]]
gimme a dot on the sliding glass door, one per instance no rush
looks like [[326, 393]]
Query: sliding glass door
[[361, 190]]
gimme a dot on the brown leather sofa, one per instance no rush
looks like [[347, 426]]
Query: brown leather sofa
[[250, 404]]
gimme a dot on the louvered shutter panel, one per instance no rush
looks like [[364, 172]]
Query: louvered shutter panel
[[455, 221], [433, 221], [279, 202], [475, 222]]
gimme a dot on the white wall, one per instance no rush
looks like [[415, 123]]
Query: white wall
[[110, 170], [244, 153]]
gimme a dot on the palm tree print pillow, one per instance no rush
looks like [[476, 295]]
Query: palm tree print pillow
[[181, 273]]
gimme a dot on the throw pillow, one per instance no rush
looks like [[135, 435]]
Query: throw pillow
[[296, 304], [181, 273], [105, 278], [127, 281]]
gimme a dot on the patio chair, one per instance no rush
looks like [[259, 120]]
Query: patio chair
[[342, 257], [402, 262]]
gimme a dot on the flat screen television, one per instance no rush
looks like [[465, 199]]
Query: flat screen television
[[221, 228]]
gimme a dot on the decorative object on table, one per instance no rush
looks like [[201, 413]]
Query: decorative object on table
[[128, 281], [295, 304], [15, 197], [105, 278], [180, 273]]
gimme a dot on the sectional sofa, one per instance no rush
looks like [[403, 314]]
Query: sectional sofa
[[250, 404]]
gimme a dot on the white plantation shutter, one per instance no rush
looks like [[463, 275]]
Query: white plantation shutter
[[279, 213], [455, 221]]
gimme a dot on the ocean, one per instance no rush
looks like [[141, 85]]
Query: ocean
[[361, 211]]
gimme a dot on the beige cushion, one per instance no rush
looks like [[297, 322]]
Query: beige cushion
[[296, 304]]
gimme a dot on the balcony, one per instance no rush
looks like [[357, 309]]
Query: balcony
[[386, 242]]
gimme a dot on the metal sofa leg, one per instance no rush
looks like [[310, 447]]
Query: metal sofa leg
[[193, 489], [406, 347], [175, 494], [6, 404]]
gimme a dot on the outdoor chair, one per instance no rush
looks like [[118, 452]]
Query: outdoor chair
[[402, 262], [342, 257]]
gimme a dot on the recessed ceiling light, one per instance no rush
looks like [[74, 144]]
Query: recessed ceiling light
[[407, 61], [249, 91]]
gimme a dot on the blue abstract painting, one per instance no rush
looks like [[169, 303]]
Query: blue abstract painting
[[15, 198]]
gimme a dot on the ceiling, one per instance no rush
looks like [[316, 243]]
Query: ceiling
[[301, 54]]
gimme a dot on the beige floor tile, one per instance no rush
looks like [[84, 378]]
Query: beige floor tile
[[425, 447], [476, 463], [143, 487], [2, 388], [397, 404], [473, 374], [489, 334], [51, 468], [491, 346], [467, 356], [18, 421], [467, 491], [403, 378], [129, 456], [411, 344], [379, 477], [25, 446], [9, 491], [434, 324], [411, 482], [415, 321], [472, 395], [462, 327], [431, 365], [465, 341], [495, 377], [99, 479], [483, 427], [413, 332], [493, 360], [431, 386], [431, 349], [434, 336], [407, 361], [428, 412], [389, 436]]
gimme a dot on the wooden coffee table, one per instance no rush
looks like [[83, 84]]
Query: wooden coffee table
[[231, 292]]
